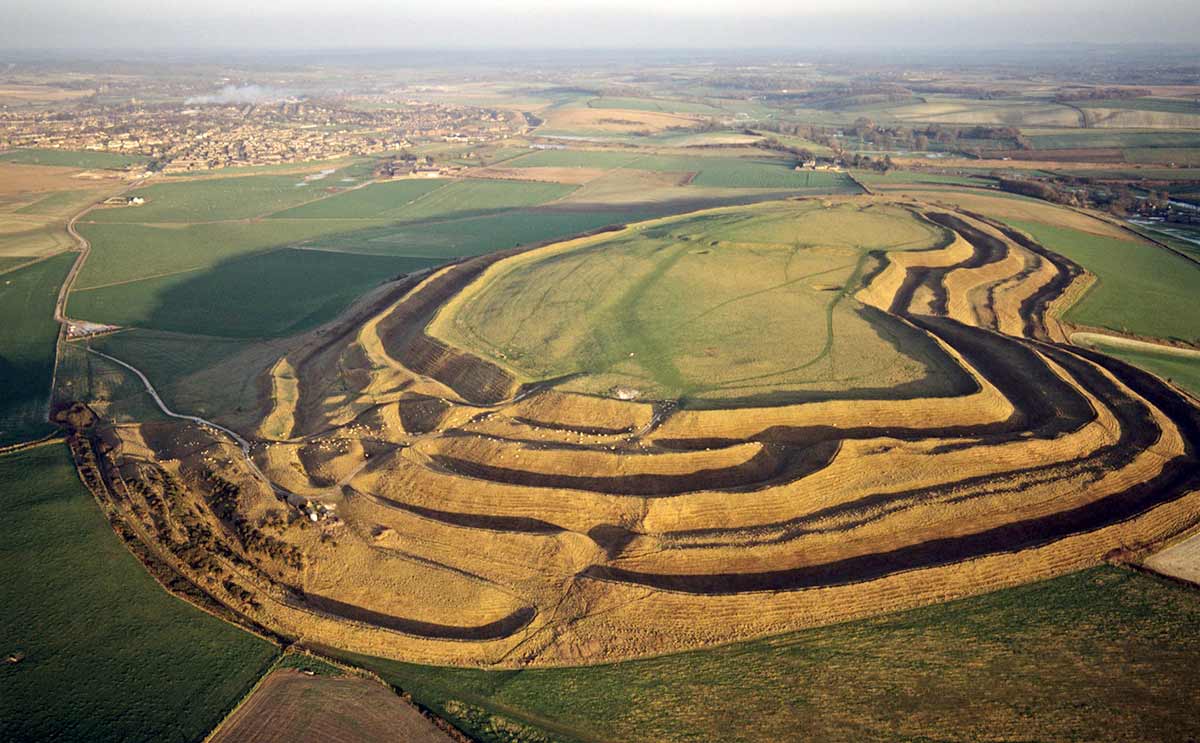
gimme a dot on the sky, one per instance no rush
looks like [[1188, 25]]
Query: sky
[[606, 24]]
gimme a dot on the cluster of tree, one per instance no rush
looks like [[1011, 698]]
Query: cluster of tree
[[865, 162], [963, 91], [802, 154], [1067, 95], [401, 164], [224, 498], [1038, 189]]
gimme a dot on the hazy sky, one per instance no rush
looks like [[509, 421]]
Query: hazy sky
[[153, 24]]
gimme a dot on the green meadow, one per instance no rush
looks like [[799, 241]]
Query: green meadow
[[1104, 654], [73, 158], [28, 334], [106, 654], [1139, 288], [273, 293]]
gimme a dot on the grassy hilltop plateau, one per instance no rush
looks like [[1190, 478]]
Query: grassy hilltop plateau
[[686, 402]]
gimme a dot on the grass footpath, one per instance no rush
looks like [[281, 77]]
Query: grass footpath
[[106, 654], [28, 333], [1104, 654]]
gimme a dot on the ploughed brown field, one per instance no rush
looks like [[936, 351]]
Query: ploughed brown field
[[292, 706], [446, 501]]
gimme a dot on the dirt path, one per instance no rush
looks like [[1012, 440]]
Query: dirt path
[[242, 443]]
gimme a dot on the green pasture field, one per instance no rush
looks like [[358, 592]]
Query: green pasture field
[[1140, 288], [1147, 174], [73, 158], [1189, 156], [1182, 237], [214, 199], [654, 104], [899, 177], [1104, 654], [475, 197], [1166, 105], [258, 295], [59, 203], [196, 374], [110, 389], [573, 159], [28, 334], [694, 307], [746, 173], [720, 172], [449, 239], [129, 252], [1181, 370], [108, 655], [1050, 139], [374, 201], [417, 199], [9, 263]]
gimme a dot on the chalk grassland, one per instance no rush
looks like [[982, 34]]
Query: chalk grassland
[[668, 309], [107, 655], [291, 706], [73, 158], [1056, 657], [27, 338]]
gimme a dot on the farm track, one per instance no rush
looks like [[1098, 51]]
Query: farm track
[[643, 526]]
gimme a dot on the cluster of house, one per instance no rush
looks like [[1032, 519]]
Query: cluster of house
[[211, 136]]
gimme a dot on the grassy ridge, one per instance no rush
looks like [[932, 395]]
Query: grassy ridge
[[28, 333], [108, 655], [1140, 288], [1104, 654], [694, 307]]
